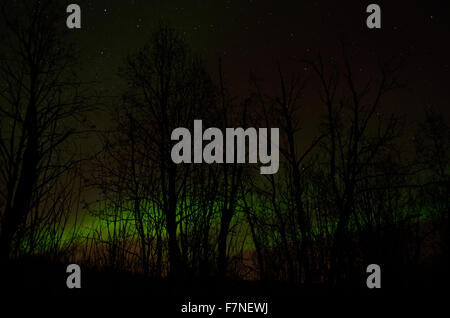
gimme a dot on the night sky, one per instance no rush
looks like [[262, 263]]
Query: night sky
[[252, 35]]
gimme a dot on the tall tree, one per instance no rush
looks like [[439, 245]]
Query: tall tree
[[168, 88], [39, 104]]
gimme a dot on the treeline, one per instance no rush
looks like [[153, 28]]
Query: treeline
[[366, 189]]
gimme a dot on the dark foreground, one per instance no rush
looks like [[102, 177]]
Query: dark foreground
[[43, 286]]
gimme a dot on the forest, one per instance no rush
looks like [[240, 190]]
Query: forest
[[367, 187]]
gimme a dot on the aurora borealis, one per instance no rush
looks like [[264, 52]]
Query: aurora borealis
[[89, 116]]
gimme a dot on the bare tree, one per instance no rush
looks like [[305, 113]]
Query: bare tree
[[169, 88], [282, 110], [40, 105], [356, 138]]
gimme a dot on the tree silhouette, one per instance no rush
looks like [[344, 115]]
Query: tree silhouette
[[168, 88], [40, 104]]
